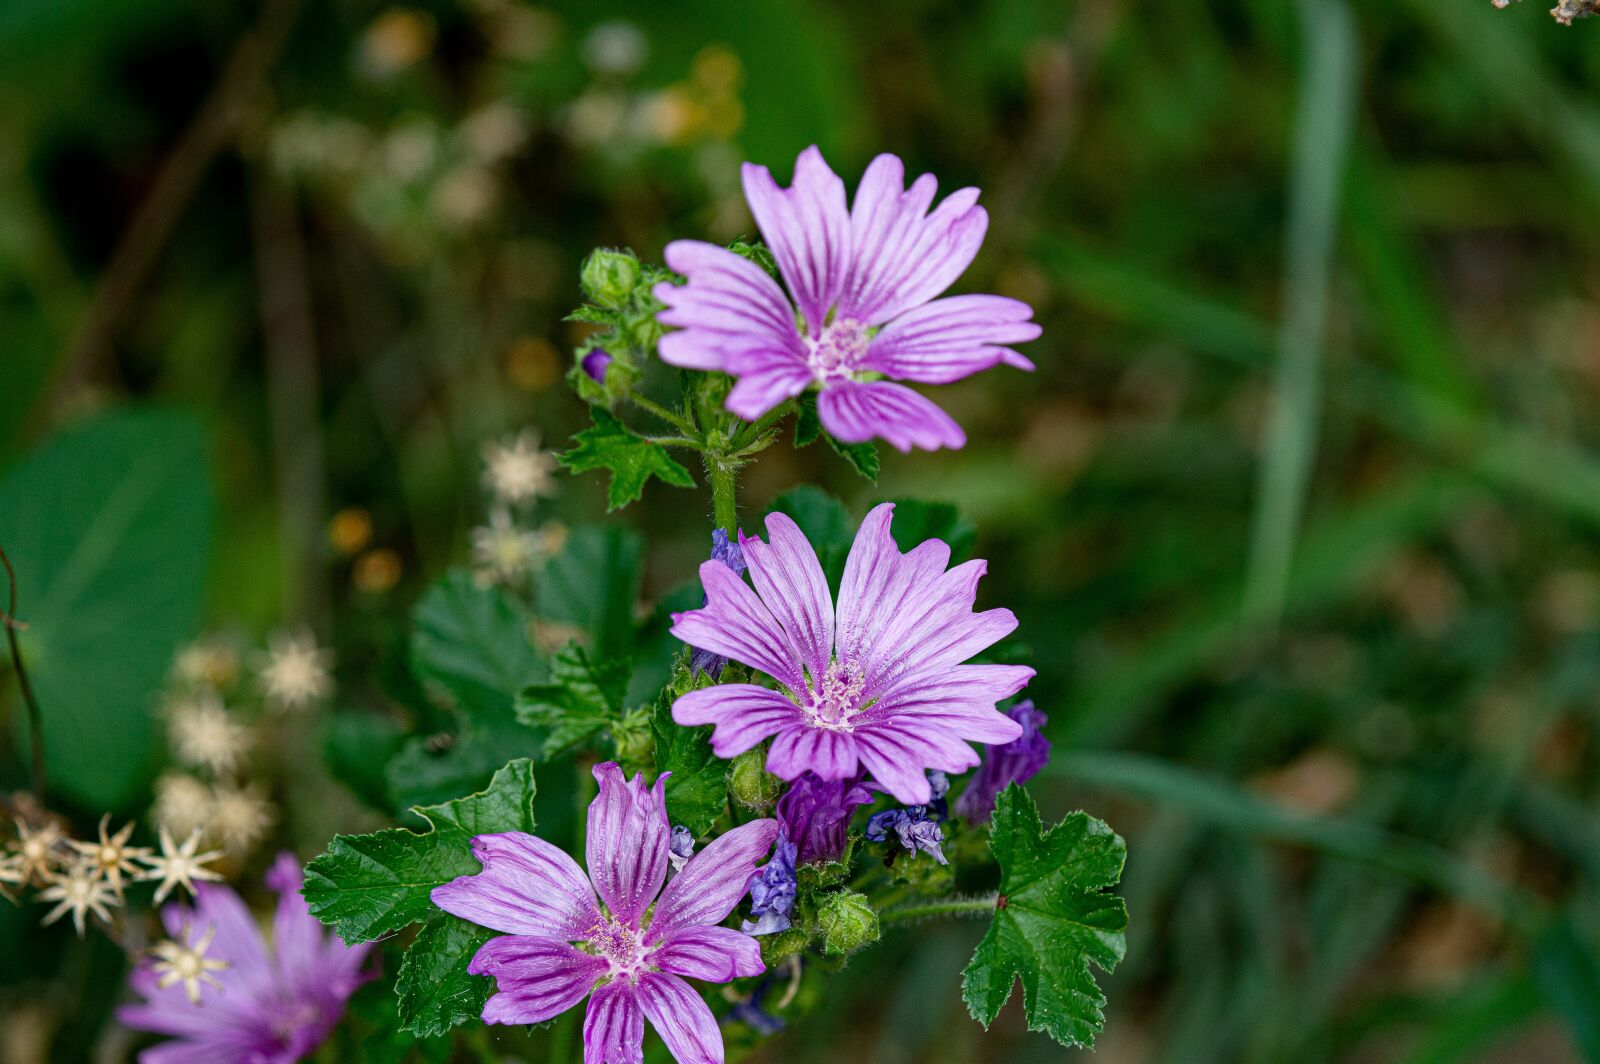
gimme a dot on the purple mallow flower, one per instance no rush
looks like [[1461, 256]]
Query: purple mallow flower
[[630, 958], [879, 685], [271, 1005], [729, 553], [1015, 762], [914, 828], [864, 280], [772, 892], [595, 363], [815, 813]]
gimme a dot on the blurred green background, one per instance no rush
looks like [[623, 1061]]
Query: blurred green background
[[1299, 513]]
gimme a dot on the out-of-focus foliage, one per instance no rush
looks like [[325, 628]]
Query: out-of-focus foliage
[[1362, 817]]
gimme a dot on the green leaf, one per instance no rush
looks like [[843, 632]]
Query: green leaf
[[1054, 916], [471, 643], [434, 990], [108, 526], [593, 584], [434, 768], [807, 425], [632, 459], [697, 790], [863, 457], [365, 886], [583, 697], [917, 520]]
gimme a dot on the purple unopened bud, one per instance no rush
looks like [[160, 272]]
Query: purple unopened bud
[[595, 363], [772, 891], [1015, 762], [816, 813], [729, 553], [682, 847]]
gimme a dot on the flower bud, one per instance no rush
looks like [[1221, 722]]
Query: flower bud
[[595, 363], [846, 921], [609, 277], [751, 785]]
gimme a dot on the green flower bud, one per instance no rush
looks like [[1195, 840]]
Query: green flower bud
[[636, 744], [609, 277], [775, 949], [847, 922], [751, 785]]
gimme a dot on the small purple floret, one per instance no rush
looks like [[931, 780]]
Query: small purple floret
[[681, 847], [729, 553], [874, 681], [629, 959], [914, 828], [595, 364], [1015, 762], [275, 1004], [865, 281], [815, 813], [772, 892]]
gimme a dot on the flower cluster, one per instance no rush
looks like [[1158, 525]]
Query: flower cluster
[[89, 877], [221, 993], [517, 474], [211, 714]]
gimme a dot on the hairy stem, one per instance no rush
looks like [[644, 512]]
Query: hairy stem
[[723, 472], [979, 906], [35, 718]]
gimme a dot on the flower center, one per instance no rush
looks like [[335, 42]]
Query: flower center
[[838, 353], [620, 945], [836, 700]]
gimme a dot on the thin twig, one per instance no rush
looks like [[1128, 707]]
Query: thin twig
[[35, 718]]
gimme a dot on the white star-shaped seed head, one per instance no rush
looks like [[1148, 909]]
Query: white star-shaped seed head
[[187, 964], [515, 470], [178, 866], [204, 734], [110, 855], [240, 816], [38, 852], [183, 803], [504, 551], [80, 890], [297, 672]]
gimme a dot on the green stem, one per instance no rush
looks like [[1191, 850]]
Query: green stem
[[723, 472], [676, 441], [8, 621], [672, 417], [980, 906]]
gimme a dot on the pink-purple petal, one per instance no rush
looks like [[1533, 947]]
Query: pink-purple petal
[[682, 1018], [743, 714], [952, 338], [714, 954], [728, 312], [903, 256], [802, 748], [714, 880], [613, 1028], [736, 624], [527, 887], [536, 979], [855, 411], [628, 840], [767, 379], [790, 581], [807, 228]]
